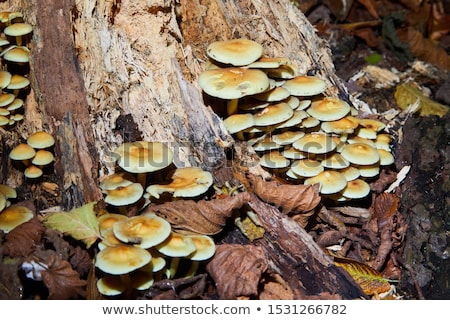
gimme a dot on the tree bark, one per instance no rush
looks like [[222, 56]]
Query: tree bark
[[112, 71]]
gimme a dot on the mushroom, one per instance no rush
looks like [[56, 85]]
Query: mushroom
[[176, 246], [17, 83], [14, 216], [330, 181], [356, 189], [107, 220], [5, 79], [18, 31], [124, 196], [186, 182], [122, 259], [116, 180], [41, 140], [305, 86], [237, 52], [33, 172], [328, 109], [204, 250], [109, 285], [238, 122], [20, 55], [306, 168], [315, 143], [42, 158], [360, 153], [142, 157], [22, 152], [273, 114], [232, 84], [143, 231]]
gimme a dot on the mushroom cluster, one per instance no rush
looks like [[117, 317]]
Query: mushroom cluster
[[138, 159], [15, 57], [35, 155], [135, 251], [300, 134]]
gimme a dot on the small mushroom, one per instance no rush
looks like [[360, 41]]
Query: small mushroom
[[331, 181], [328, 109], [18, 31], [22, 152], [122, 259], [186, 182], [144, 231], [142, 157], [41, 140], [237, 52], [232, 84], [14, 216], [305, 86]]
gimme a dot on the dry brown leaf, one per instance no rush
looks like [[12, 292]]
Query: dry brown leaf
[[80, 260], [424, 49], [61, 280], [22, 240], [385, 206], [291, 199], [205, 216], [370, 280], [237, 269]]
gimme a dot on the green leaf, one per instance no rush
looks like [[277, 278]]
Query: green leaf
[[373, 58], [80, 223]]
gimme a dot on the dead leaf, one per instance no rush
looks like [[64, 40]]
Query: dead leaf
[[80, 223], [61, 280], [204, 216], [370, 280], [237, 269], [292, 199], [423, 48], [385, 206], [406, 95], [22, 240], [80, 260]]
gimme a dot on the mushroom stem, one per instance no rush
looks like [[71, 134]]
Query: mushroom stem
[[192, 269], [126, 280], [142, 178], [170, 273], [19, 40], [232, 106]]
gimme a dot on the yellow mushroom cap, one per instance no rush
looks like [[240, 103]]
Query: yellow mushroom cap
[[330, 181], [22, 152], [316, 143], [122, 196], [110, 285], [238, 122], [204, 247], [33, 172], [143, 156], [233, 83], [328, 109], [17, 54], [369, 170], [305, 86], [360, 153], [116, 180], [5, 78], [18, 29], [237, 52], [14, 216], [186, 182], [41, 140], [307, 168], [177, 245], [6, 99], [273, 114], [356, 189], [344, 125], [335, 161], [18, 82], [7, 191], [122, 259], [287, 137], [42, 158], [372, 124], [386, 158], [274, 159], [107, 220], [144, 231], [273, 95], [350, 173]]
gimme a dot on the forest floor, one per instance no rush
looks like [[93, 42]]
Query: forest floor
[[376, 50]]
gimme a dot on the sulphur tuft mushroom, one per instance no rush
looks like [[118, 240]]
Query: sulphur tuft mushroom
[[14, 216], [237, 52], [186, 182]]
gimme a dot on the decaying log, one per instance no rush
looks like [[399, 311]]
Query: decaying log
[[298, 259]]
